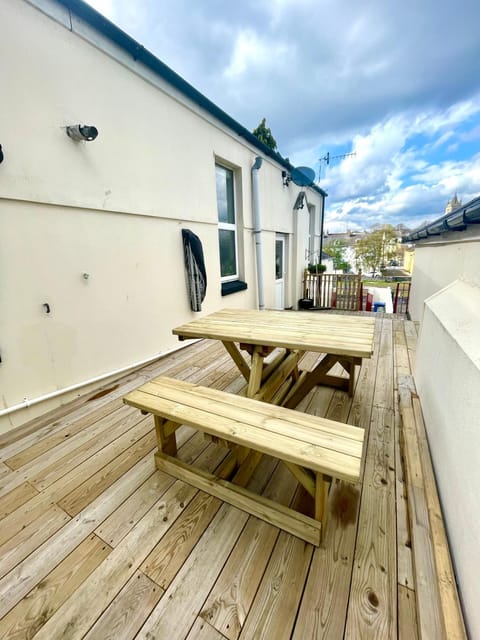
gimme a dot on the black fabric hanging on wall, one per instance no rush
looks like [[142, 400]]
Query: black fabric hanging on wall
[[194, 268]]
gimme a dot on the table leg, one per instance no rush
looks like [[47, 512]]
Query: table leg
[[165, 429], [284, 370], [255, 379], [322, 487], [320, 375], [237, 358]]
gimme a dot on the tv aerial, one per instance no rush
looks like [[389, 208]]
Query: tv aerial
[[327, 159]]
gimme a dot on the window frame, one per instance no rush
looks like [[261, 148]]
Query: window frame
[[228, 226]]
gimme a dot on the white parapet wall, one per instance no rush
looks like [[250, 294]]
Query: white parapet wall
[[439, 261], [448, 381]]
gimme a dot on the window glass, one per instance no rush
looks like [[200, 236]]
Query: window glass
[[227, 229], [225, 202], [228, 257], [278, 259]]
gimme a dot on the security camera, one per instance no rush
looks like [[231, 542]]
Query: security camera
[[82, 132]]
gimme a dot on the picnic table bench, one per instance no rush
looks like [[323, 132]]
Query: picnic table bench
[[314, 449]]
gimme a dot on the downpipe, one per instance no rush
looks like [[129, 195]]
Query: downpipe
[[257, 230]]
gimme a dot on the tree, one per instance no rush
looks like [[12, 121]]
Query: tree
[[336, 250], [377, 248], [263, 133]]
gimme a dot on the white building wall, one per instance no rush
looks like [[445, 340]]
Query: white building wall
[[113, 208], [447, 378]]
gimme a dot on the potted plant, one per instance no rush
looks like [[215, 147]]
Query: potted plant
[[317, 268]]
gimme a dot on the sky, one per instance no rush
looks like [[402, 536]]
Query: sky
[[397, 83]]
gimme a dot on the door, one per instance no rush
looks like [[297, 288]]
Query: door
[[279, 272]]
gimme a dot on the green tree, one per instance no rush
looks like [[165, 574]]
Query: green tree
[[377, 248], [336, 250], [263, 133]]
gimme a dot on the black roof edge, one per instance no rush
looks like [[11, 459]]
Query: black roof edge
[[457, 220], [140, 54]]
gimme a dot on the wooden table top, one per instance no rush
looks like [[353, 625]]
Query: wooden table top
[[349, 335]]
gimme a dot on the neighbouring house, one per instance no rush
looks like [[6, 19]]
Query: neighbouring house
[[445, 299], [92, 262], [348, 241], [409, 258]]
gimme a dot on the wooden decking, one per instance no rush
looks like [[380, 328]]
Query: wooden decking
[[96, 543]]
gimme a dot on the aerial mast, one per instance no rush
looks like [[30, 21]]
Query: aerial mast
[[327, 158]]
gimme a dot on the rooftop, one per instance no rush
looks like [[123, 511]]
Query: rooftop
[[457, 220], [97, 543]]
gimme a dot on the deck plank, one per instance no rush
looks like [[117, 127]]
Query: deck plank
[[125, 616], [372, 608], [16, 497], [274, 609], [84, 607], [28, 573], [31, 613], [61, 440], [407, 614], [404, 543], [201, 630], [178, 609], [51, 466], [31, 537], [231, 598], [96, 484], [449, 598]]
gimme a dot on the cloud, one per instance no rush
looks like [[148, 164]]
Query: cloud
[[250, 50], [392, 180]]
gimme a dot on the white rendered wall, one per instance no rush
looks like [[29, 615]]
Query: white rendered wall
[[447, 378], [440, 261], [113, 208]]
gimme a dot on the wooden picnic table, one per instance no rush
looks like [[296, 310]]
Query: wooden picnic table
[[275, 377], [314, 449]]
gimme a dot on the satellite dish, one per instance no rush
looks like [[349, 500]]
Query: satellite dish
[[303, 176]]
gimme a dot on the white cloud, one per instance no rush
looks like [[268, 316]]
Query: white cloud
[[252, 53], [394, 181]]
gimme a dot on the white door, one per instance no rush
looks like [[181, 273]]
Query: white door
[[279, 272]]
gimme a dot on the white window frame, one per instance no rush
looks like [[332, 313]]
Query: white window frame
[[228, 226]]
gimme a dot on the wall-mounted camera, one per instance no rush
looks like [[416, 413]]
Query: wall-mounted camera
[[81, 132]]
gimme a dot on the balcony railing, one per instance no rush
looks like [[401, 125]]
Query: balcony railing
[[346, 292], [332, 290]]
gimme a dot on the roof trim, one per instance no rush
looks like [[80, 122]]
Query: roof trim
[[142, 55], [457, 220]]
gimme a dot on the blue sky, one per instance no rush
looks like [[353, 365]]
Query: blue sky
[[397, 83]]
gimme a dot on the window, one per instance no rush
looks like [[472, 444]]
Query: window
[[227, 225], [229, 239]]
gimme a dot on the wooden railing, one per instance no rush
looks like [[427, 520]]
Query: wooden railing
[[332, 290], [401, 297], [346, 292]]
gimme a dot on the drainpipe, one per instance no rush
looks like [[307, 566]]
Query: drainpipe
[[30, 402], [321, 230], [258, 230]]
